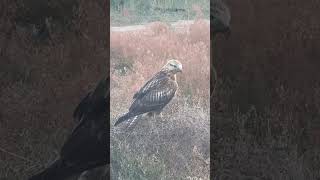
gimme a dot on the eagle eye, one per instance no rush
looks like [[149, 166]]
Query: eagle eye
[[174, 65]]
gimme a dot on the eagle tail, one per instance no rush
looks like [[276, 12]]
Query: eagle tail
[[123, 118]]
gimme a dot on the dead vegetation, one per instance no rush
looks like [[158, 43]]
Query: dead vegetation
[[265, 108], [266, 104], [42, 81]]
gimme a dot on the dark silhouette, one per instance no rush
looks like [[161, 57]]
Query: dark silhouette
[[87, 146]]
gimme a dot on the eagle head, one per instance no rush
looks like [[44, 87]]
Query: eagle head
[[173, 66]]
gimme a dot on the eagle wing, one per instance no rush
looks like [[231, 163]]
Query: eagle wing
[[90, 131], [152, 84], [82, 107], [86, 147], [154, 95]]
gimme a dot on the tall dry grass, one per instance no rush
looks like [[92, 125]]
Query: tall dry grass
[[266, 106], [176, 146], [148, 50]]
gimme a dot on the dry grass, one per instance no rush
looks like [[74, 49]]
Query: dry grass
[[267, 70], [148, 50], [252, 146], [178, 147], [41, 83], [270, 62]]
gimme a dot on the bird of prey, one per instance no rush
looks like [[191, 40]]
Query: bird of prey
[[87, 146], [156, 93], [220, 17]]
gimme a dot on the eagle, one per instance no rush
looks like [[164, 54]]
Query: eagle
[[87, 145], [155, 94]]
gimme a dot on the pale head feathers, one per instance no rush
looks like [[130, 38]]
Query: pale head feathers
[[173, 66]]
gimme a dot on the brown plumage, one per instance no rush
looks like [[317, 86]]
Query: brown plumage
[[156, 93]]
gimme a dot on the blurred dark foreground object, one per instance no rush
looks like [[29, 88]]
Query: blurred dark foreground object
[[87, 146]]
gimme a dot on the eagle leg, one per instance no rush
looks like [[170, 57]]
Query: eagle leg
[[159, 113], [155, 114], [151, 114]]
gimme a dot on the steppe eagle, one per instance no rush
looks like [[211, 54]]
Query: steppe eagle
[[156, 93]]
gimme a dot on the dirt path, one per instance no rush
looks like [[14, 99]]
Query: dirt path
[[178, 25]]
